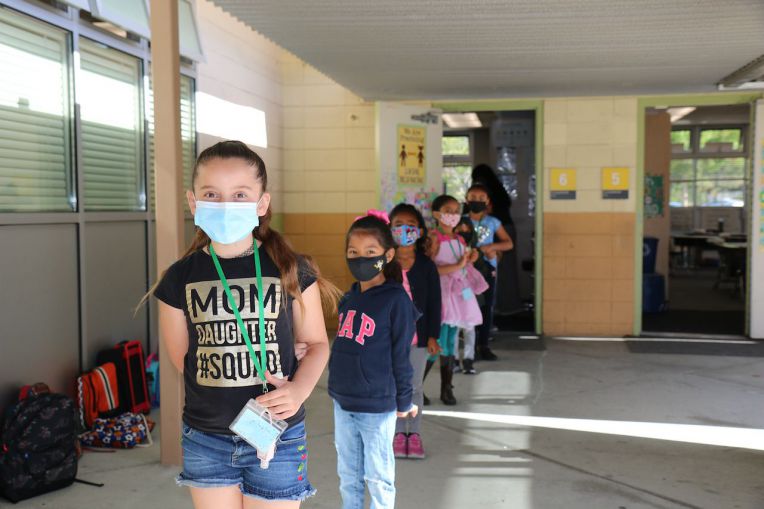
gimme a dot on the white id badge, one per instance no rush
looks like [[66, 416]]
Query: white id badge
[[258, 428], [467, 293]]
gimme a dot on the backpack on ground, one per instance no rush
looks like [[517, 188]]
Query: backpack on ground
[[130, 362], [39, 444], [98, 394], [152, 378], [124, 432]]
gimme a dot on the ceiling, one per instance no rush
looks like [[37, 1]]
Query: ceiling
[[436, 49]]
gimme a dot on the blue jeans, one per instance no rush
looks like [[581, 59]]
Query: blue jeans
[[212, 461], [365, 455]]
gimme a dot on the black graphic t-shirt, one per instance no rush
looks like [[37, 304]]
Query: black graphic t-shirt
[[219, 374]]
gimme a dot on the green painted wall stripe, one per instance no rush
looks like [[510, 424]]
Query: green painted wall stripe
[[639, 222], [538, 254], [491, 105]]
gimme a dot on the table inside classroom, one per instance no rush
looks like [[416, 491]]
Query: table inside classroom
[[732, 261], [692, 246]]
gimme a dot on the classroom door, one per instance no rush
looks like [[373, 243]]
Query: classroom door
[[409, 153]]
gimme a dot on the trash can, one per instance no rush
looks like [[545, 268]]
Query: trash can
[[649, 254], [653, 293]]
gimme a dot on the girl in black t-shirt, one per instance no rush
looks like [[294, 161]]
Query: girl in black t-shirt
[[201, 332]]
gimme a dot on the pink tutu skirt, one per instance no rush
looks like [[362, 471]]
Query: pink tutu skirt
[[458, 291]]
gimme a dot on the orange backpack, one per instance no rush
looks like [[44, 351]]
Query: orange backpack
[[97, 394]]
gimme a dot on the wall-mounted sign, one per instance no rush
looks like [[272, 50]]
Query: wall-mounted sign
[[562, 184], [615, 183], [653, 196], [411, 155]]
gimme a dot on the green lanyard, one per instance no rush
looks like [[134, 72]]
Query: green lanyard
[[260, 312], [453, 251]]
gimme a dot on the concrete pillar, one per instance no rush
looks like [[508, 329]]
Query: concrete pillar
[[165, 71]]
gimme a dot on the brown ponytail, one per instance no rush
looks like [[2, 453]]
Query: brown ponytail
[[282, 254]]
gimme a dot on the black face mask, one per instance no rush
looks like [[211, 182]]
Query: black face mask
[[367, 268], [476, 207]]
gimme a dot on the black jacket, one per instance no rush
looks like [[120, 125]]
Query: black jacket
[[425, 289]]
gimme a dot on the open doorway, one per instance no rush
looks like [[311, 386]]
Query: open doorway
[[697, 183], [505, 141]]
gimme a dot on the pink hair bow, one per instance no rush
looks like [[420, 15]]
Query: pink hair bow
[[380, 214]]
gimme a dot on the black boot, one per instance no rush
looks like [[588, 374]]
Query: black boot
[[446, 389], [427, 368], [484, 353]]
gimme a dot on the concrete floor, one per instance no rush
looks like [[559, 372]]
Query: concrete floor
[[477, 464]]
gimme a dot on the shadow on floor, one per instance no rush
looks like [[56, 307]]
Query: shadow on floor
[[726, 349], [695, 322]]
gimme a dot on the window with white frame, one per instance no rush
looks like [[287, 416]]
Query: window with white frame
[[708, 166], [457, 164]]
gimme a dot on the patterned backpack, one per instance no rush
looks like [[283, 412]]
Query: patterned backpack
[[39, 439], [124, 432]]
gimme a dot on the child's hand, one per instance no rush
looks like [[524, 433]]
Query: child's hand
[[489, 251], [300, 349], [284, 401], [473, 256], [433, 348], [464, 259], [411, 412]]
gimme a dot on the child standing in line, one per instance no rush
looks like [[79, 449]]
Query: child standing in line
[[459, 285], [422, 282], [369, 369], [491, 239], [234, 242], [466, 231]]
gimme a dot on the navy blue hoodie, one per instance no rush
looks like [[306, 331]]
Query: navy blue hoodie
[[369, 370]]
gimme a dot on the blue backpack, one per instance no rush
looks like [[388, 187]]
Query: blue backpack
[[152, 378]]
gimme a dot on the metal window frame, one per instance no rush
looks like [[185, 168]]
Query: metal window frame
[[83, 5], [695, 155], [695, 152], [70, 21], [460, 160]]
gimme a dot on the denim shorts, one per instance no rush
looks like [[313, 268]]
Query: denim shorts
[[214, 461]]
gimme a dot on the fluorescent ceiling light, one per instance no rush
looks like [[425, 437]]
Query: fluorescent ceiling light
[[679, 113], [751, 85], [230, 121], [752, 71], [461, 120]]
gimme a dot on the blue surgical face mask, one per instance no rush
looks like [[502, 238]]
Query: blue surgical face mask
[[226, 222], [405, 235]]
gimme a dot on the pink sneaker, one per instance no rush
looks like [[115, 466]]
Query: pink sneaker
[[399, 445], [416, 449]]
